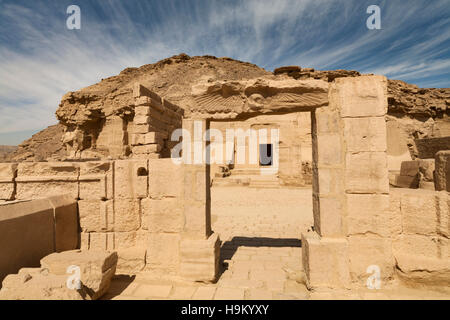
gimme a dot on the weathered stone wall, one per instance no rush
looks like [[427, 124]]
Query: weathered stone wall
[[30, 230], [141, 208], [421, 235], [154, 121], [141, 128]]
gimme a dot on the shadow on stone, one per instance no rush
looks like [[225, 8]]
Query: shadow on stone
[[229, 248]]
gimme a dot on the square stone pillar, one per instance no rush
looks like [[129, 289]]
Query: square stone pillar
[[199, 246], [350, 186]]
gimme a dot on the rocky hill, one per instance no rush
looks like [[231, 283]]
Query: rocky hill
[[172, 78], [44, 145], [5, 152]]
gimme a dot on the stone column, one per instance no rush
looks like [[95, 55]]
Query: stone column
[[350, 186]]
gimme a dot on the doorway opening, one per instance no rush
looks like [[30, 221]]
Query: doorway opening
[[265, 154]]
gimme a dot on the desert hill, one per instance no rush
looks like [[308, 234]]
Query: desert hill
[[424, 111]]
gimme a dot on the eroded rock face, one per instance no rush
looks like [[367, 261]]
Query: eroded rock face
[[50, 281]]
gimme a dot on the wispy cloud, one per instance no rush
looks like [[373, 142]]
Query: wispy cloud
[[42, 60]]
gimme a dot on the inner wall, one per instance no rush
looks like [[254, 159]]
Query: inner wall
[[250, 205]]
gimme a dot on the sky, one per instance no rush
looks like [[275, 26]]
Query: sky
[[41, 59]]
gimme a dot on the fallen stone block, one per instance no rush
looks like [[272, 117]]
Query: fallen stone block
[[96, 268], [26, 234], [406, 182], [38, 284]]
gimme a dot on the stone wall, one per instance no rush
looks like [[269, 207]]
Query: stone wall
[[294, 144], [154, 121], [352, 222], [140, 208], [421, 236], [30, 230], [141, 128]]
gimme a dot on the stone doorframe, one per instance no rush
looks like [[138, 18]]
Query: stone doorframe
[[350, 175]]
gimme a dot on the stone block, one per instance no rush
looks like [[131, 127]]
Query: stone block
[[138, 119], [36, 180], [365, 134], [166, 216], [143, 101], [325, 121], [199, 259], [148, 138], [101, 241], [442, 171], [142, 110], [97, 268], [419, 212], [364, 96], [163, 252], [366, 172], [142, 128], [8, 172], [443, 213], [325, 261], [406, 182], [130, 179], [131, 261], [197, 220], [331, 212], [65, 211], [329, 149], [126, 215], [96, 215], [369, 213], [428, 148], [195, 182], [409, 168], [165, 178], [147, 149], [27, 234], [329, 181], [419, 245], [125, 240], [423, 270], [426, 170], [370, 250], [84, 240], [96, 180], [37, 284], [395, 214]]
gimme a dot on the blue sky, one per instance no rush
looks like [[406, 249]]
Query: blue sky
[[40, 59]]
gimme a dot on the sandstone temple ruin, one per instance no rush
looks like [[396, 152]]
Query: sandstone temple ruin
[[118, 191]]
